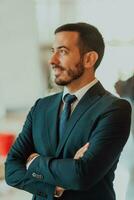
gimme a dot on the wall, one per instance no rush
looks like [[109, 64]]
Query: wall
[[20, 75]]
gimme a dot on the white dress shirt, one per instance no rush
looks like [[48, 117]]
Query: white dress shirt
[[79, 93]]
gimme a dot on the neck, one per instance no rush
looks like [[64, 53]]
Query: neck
[[78, 84]]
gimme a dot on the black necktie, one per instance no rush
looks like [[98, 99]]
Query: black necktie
[[68, 99]]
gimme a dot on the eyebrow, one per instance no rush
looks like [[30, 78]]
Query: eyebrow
[[60, 47]]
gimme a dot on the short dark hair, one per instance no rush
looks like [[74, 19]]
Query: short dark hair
[[90, 39]]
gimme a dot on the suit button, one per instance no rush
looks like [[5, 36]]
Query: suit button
[[38, 176], [34, 174]]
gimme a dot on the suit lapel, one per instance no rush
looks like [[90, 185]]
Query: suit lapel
[[91, 96], [52, 117]]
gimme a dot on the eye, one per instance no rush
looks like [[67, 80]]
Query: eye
[[63, 52]]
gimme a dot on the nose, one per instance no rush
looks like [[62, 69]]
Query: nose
[[54, 59]]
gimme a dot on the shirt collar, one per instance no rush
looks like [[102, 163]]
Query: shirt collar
[[80, 93]]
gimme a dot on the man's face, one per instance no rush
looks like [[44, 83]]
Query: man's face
[[66, 60]]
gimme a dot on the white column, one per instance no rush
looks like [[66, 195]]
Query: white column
[[20, 76]]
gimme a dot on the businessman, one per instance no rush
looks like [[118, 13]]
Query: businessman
[[71, 142]]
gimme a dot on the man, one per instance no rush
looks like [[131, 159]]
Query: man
[[71, 142]]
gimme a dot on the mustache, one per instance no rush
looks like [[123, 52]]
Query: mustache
[[57, 67]]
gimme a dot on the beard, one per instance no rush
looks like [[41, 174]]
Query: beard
[[69, 74]]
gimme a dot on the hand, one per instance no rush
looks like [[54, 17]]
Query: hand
[[79, 154], [58, 191]]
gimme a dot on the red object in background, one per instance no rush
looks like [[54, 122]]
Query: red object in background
[[6, 141]]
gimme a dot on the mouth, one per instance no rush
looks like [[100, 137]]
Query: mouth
[[57, 71]]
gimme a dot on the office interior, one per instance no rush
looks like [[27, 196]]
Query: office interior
[[26, 36]]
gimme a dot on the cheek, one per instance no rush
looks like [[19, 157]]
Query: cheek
[[69, 63], [65, 61]]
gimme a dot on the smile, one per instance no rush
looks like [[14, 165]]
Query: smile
[[57, 71]]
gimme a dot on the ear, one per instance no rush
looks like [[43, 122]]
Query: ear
[[90, 59]]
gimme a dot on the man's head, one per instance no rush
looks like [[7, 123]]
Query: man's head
[[90, 39], [77, 52]]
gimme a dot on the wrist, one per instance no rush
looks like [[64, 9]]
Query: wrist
[[30, 159], [32, 156]]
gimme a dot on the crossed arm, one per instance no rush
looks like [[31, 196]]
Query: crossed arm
[[79, 154], [106, 144]]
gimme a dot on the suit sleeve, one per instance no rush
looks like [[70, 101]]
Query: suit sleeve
[[16, 174], [106, 143]]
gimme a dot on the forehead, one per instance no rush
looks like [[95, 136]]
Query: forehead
[[66, 38]]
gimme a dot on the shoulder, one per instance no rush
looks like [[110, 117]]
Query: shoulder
[[114, 101], [45, 102], [114, 106], [50, 98], [108, 100]]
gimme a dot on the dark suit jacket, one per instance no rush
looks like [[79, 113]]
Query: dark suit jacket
[[100, 118]]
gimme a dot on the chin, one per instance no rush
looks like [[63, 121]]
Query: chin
[[62, 82]]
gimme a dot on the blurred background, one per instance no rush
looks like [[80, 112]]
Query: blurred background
[[26, 36]]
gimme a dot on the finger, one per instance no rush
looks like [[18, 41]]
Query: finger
[[84, 148], [81, 151], [86, 145], [79, 154]]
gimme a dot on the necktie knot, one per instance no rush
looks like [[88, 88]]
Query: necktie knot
[[68, 98]]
